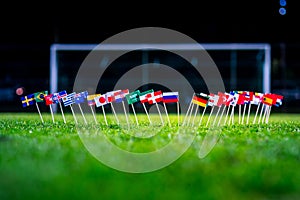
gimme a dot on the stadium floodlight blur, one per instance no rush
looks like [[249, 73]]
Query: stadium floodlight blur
[[263, 49]]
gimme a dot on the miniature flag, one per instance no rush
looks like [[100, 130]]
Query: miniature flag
[[156, 97], [213, 99], [109, 96], [145, 95], [28, 100], [48, 99], [269, 99], [222, 99], [200, 100], [68, 99], [257, 98], [229, 98], [90, 99], [248, 97], [100, 100], [170, 97], [57, 96], [240, 96], [120, 95], [133, 97], [80, 97], [234, 98], [278, 100], [40, 96]]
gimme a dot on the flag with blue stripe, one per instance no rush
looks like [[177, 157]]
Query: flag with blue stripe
[[68, 99], [57, 96], [170, 97]]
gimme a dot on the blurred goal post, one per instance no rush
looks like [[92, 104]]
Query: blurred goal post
[[55, 49]]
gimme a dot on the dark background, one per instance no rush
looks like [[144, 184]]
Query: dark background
[[28, 30]]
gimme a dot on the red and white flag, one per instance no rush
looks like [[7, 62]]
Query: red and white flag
[[144, 96], [100, 100], [48, 99], [120, 95], [213, 99], [257, 98], [156, 97], [222, 99]]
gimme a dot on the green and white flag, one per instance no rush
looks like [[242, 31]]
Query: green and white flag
[[133, 97]]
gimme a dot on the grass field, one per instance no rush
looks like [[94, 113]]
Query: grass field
[[49, 161]]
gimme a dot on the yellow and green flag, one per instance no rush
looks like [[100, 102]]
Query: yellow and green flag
[[40, 96]]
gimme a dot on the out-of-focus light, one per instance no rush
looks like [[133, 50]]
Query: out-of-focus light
[[282, 2], [282, 11], [20, 91]]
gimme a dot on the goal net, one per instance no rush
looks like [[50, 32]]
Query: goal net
[[242, 66]]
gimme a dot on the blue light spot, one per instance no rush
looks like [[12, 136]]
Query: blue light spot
[[282, 2], [282, 11]]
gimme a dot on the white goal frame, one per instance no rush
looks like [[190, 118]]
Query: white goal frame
[[266, 87]]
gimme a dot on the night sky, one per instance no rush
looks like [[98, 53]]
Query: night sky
[[28, 29], [208, 21]]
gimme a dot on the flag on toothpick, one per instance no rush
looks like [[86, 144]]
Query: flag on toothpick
[[170, 97], [28, 100], [56, 98], [48, 99], [257, 100], [132, 98], [269, 99], [230, 98], [240, 97], [68, 100], [91, 102], [91, 99], [278, 100], [144, 99], [223, 100], [40, 96], [119, 97], [248, 98], [80, 97], [145, 95], [235, 98], [247, 101], [110, 97], [213, 101], [200, 100], [49, 102], [101, 101], [155, 98]]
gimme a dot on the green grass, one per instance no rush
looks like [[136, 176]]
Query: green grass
[[49, 161]]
